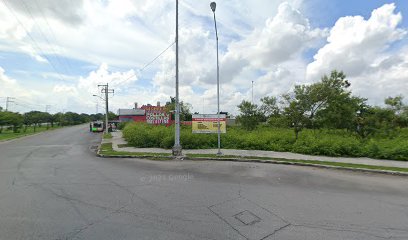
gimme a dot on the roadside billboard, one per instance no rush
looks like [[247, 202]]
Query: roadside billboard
[[156, 115], [208, 123]]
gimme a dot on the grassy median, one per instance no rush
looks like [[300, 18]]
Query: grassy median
[[107, 150], [9, 134], [107, 136]]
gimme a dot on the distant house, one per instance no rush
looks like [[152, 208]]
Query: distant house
[[135, 115], [156, 115]]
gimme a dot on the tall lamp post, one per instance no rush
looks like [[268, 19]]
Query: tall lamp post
[[177, 147], [213, 5]]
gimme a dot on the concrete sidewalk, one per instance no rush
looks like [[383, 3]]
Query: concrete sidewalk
[[118, 139]]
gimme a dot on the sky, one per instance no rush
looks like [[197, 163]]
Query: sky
[[53, 54]]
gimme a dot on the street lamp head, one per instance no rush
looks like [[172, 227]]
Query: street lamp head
[[213, 5], [94, 95]]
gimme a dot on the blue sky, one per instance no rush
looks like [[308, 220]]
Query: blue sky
[[265, 41], [325, 13]]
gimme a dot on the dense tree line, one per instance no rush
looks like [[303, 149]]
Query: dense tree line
[[20, 122], [326, 104]]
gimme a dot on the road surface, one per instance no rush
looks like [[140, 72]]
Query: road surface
[[52, 186]]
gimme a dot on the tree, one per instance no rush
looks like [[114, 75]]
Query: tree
[[395, 103], [326, 103], [33, 118], [3, 120], [71, 118], [340, 113], [400, 110], [83, 118], [112, 116], [15, 120], [185, 112], [250, 115], [96, 117], [269, 107], [297, 105]]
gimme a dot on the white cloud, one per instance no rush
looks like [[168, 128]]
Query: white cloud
[[261, 41], [10, 27], [12, 88], [270, 55], [116, 80], [354, 43], [67, 11], [65, 89], [360, 48]]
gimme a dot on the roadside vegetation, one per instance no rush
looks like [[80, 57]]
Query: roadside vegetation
[[14, 125], [8, 133], [106, 149], [107, 136], [323, 118]]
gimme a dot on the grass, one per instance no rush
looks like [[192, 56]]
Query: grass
[[312, 142], [107, 135], [107, 150], [9, 134]]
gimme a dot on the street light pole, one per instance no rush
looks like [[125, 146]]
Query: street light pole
[[177, 147], [213, 5]]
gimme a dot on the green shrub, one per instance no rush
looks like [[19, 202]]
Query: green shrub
[[122, 125], [313, 142]]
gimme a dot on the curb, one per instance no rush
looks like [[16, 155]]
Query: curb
[[388, 172], [303, 164], [131, 156]]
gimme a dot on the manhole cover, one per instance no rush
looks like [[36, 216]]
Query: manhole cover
[[247, 218], [250, 220]]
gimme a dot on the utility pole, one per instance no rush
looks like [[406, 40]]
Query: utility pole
[[47, 108], [177, 147], [213, 6], [8, 100], [106, 90]]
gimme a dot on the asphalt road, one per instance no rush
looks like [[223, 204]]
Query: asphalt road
[[52, 186]]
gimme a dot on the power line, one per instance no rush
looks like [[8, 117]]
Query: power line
[[53, 35], [8, 101], [154, 59], [43, 35], [32, 39], [157, 56]]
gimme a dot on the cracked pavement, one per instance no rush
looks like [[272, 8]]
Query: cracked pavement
[[52, 186]]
